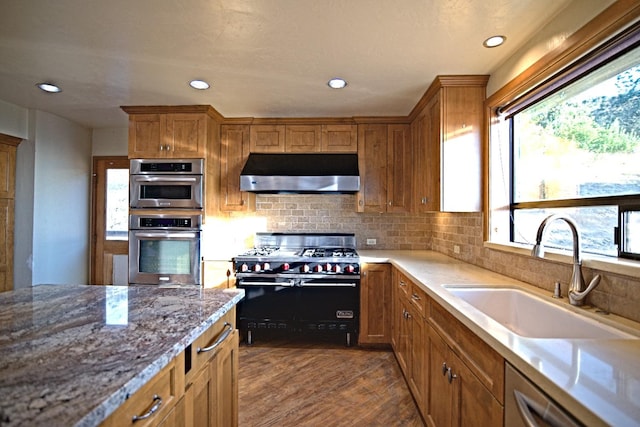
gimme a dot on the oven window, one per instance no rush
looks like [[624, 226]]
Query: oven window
[[165, 256], [166, 191]]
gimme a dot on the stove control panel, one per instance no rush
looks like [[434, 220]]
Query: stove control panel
[[327, 268]]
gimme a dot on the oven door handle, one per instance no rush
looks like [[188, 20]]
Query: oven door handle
[[328, 285], [289, 284], [163, 178], [165, 234]]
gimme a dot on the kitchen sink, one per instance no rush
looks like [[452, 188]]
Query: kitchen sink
[[530, 316]]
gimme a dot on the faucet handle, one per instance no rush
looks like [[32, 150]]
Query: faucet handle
[[575, 297]]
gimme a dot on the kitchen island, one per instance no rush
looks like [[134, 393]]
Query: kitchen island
[[73, 354]]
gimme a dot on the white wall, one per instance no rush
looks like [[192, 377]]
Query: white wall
[[61, 207], [567, 22], [110, 142], [13, 120]]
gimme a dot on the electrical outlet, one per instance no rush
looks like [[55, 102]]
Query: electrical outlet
[[371, 242], [456, 249]]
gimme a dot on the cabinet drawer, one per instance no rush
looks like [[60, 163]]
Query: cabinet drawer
[[419, 299], [208, 344], [150, 404], [403, 285], [477, 355]]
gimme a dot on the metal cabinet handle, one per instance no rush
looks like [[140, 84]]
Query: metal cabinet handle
[[450, 375], [444, 368], [156, 403], [402, 283], [415, 297], [223, 336]]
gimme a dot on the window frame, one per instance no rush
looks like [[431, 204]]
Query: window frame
[[615, 23]]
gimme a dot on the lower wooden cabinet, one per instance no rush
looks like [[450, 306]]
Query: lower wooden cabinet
[[197, 388], [455, 378], [375, 304]]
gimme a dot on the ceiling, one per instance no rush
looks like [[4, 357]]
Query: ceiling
[[263, 58]]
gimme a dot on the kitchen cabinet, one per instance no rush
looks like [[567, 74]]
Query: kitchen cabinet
[[411, 340], [234, 151], [338, 138], [384, 156], [155, 403], [466, 381], [302, 139], [170, 135], [267, 139], [447, 138], [375, 304], [8, 147], [211, 395]]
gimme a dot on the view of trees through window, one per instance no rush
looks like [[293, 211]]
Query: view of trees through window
[[582, 142], [117, 204]]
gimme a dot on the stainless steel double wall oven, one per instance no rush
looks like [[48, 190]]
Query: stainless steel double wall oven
[[166, 201], [299, 283]]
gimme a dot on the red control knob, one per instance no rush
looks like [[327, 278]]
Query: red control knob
[[244, 267], [317, 268], [285, 266], [305, 268], [256, 268], [336, 268], [349, 268], [266, 266], [328, 267]]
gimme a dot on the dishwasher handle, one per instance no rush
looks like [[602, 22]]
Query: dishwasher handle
[[527, 407]]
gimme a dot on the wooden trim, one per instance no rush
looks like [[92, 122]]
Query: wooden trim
[[446, 81], [170, 109], [616, 18], [10, 140]]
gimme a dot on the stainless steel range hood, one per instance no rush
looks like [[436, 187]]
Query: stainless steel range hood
[[300, 173]]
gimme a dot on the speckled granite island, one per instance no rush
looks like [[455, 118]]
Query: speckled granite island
[[72, 354]]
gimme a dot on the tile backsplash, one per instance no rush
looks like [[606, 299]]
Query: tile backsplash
[[440, 232]]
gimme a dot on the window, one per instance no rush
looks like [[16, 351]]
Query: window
[[117, 204], [575, 149]]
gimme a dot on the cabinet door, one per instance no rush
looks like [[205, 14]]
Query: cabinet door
[[225, 376], [432, 156], [419, 131], [404, 332], [418, 360], [399, 168], [267, 138], [145, 139], [375, 304], [7, 171], [372, 162], [440, 405], [6, 244], [234, 151], [302, 139], [472, 403], [339, 139], [185, 135], [199, 399]]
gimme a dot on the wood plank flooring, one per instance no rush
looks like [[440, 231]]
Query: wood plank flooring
[[293, 384]]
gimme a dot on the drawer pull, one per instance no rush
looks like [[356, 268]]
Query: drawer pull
[[223, 336], [402, 283], [156, 403], [444, 368], [450, 375], [416, 297]]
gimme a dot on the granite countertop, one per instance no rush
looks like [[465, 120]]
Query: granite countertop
[[71, 354], [598, 381]]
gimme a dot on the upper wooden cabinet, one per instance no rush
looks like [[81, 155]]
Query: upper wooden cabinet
[[170, 132], [304, 138], [234, 151], [267, 138], [384, 156], [447, 134], [339, 139]]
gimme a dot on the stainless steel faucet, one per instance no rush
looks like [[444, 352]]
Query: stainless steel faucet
[[577, 291]]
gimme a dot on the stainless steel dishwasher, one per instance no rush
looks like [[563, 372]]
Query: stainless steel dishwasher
[[526, 405]]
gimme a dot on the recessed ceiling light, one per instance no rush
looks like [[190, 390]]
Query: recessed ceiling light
[[337, 83], [49, 87], [199, 84], [494, 41]]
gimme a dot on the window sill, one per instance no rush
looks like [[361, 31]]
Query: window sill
[[595, 262]]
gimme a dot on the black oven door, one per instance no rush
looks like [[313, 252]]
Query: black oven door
[[269, 305], [330, 305], [163, 191]]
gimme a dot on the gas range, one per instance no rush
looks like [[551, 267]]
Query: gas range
[[300, 255]]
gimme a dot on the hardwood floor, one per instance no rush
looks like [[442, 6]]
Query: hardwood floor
[[287, 384]]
